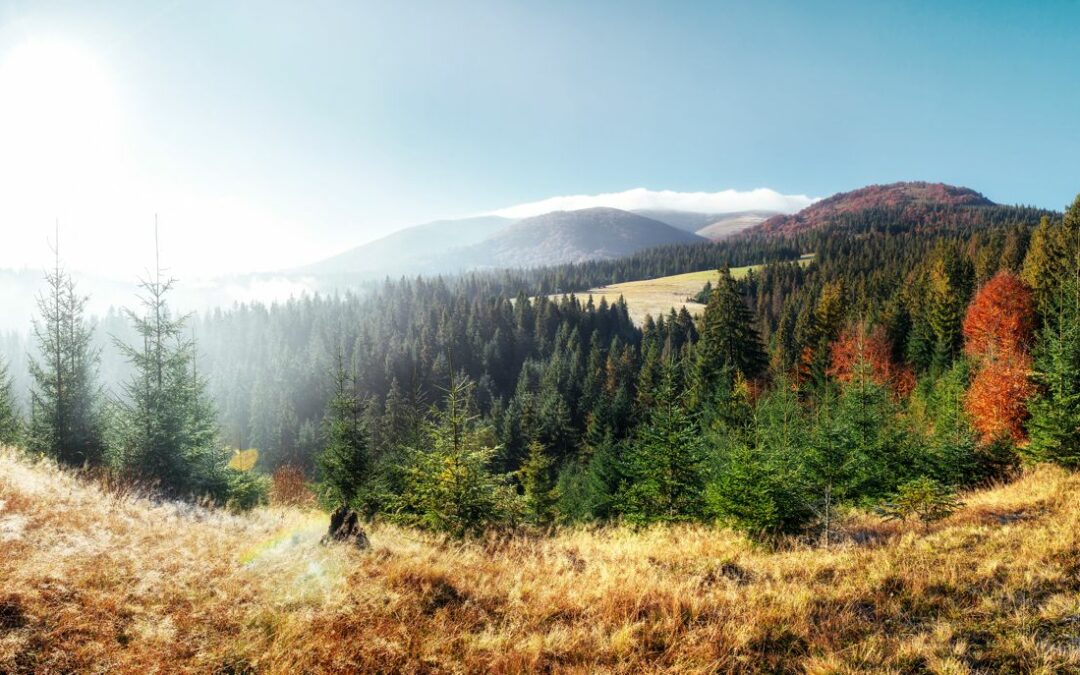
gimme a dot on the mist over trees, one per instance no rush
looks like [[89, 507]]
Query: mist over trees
[[898, 355]]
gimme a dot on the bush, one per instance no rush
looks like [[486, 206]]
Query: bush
[[923, 498]]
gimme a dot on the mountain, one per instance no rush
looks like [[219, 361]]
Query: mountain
[[410, 249], [915, 204], [714, 226], [733, 223], [573, 236]]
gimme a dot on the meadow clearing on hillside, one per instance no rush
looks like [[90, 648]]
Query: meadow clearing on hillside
[[658, 296], [96, 579]]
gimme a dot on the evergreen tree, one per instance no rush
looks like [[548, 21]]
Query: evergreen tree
[[449, 485], [65, 399], [666, 464], [729, 343], [10, 424], [1054, 425], [344, 464], [168, 427], [759, 486], [538, 482]]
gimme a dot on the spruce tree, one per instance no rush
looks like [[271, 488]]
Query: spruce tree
[[729, 343], [168, 426], [449, 485], [666, 463], [65, 399], [538, 483], [10, 424], [344, 464], [1054, 426]]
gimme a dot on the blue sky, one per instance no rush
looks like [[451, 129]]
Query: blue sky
[[309, 127]]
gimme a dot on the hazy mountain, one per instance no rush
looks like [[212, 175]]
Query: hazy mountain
[[712, 226], [573, 236], [410, 249]]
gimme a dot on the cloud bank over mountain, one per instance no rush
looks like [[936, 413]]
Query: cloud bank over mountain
[[725, 201]]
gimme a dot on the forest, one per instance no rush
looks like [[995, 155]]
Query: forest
[[905, 364]]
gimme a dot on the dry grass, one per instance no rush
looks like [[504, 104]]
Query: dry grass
[[659, 296], [96, 581]]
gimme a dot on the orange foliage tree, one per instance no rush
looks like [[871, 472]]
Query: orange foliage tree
[[997, 398], [856, 345], [998, 330], [1001, 318]]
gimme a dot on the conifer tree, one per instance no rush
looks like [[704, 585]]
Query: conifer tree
[[1054, 426], [538, 482], [666, 464], [168, 426], [729, 343], [10, 424], [449, 484], [65, 399], [344, 464]]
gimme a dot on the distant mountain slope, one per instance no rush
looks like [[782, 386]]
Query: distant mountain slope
[[910, 203], [733, 223], [573, 236], [409, 249], [712, 226]]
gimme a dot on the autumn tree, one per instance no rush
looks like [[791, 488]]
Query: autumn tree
[[868, 348], [1001, 318], [998, 331], [997, 398]]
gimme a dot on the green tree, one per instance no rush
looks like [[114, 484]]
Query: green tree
[[10, 424], [666, 463], [167, 423], [728, 342], [759, 485], [449, 485], [538, 481], [1054, 426], [344, 464], [65, 399]]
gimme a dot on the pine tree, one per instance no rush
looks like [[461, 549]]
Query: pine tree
[[666, 464], [168, 426], [537, 477], [10, 424], [1055, 414], [344, 464], [449, 484], [729, 343], [65, 399]]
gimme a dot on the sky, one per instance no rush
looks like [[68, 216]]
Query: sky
[[266, 135]]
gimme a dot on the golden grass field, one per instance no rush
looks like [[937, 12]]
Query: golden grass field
[[658, 296], [94, 579]]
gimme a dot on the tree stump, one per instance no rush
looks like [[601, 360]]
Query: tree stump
[[345, 528]]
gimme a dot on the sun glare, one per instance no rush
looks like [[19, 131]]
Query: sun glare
[[58, 117]]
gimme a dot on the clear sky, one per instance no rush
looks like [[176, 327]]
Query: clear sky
[[269, 134]]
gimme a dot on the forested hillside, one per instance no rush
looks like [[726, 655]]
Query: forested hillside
[[902, 358]]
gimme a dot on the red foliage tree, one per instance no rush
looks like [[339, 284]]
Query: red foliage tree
[[997, 398], [1001, 318], [858, 345]]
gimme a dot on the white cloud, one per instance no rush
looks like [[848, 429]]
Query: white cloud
[[725, 201]]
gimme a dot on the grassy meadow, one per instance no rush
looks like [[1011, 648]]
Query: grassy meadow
[[660, 295], [96, 578]]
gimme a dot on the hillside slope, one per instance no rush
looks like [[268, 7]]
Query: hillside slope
[[573, 236], [103, 581], [908, 203], [408, 249]]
